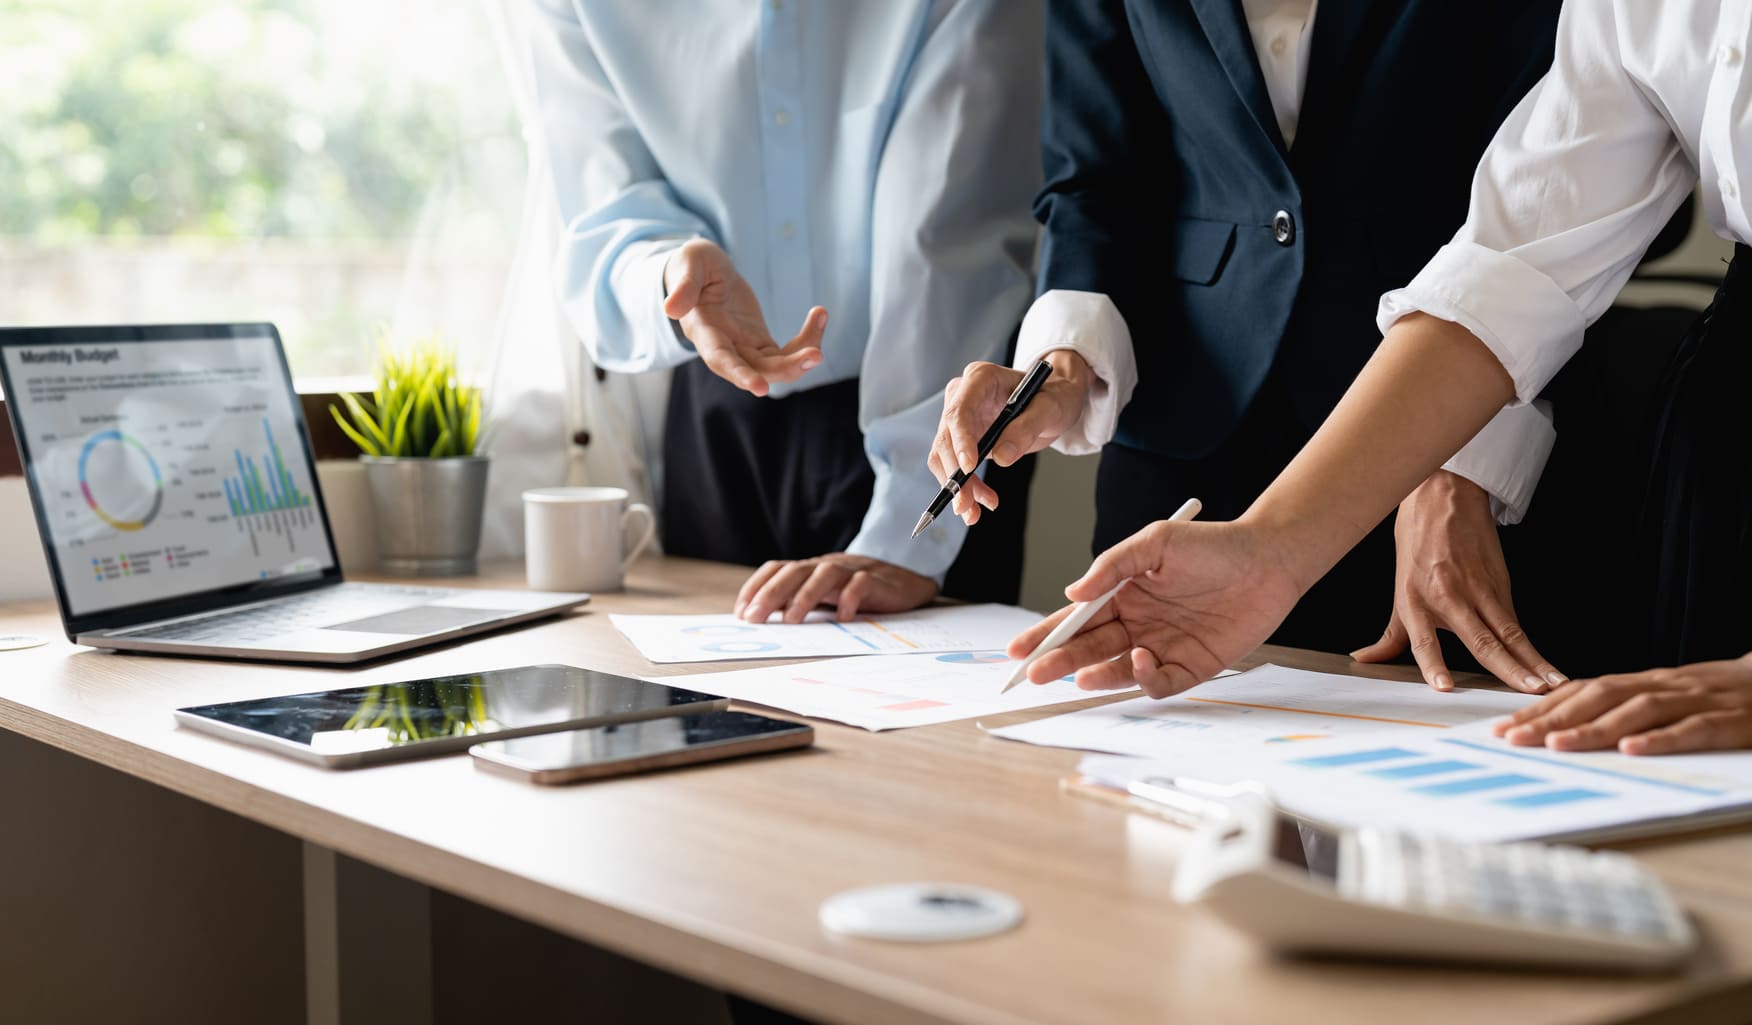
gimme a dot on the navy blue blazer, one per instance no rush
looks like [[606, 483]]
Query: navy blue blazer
[[1169, 188]]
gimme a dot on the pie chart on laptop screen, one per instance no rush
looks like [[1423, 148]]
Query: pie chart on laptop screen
[[973, 658]]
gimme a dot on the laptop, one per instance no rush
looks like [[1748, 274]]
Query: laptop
[[176, 497]]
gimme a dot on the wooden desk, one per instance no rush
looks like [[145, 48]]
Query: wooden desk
[[716, 873]]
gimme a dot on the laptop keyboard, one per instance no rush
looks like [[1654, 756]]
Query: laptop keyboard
[[300, 612]]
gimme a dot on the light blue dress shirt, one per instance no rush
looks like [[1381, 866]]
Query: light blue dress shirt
[[876, 157]]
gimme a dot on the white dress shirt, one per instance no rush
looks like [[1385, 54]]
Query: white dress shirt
[[877, 158], [1506, 457], [1088, 323], [1643, 99]]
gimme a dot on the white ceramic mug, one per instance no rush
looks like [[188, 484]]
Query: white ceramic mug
[[575, 539]]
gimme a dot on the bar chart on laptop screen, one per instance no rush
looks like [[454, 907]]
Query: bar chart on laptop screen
[[166, 468]]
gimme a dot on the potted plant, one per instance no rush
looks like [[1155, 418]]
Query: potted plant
[[417, 435]]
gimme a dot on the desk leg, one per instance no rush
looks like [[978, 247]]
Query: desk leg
[[367, 943]]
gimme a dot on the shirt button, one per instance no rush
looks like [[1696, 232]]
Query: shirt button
[[1283, 228], [1279, 45], [1728, 55], [1729, 189], [788, 231], [782, 118]]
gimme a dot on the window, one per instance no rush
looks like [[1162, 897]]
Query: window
[[330, 165]]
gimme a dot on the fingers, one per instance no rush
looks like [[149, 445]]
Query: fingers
[[1710, 731], [777, 591], [799, 356], [1390, 646], [1426, 649], [1089, 646], [718, 354], [970, 404], [974, 494], [1492, 652], [1502, 623], [1113, 675], [1024, 643], [755, 581], [1158, 679], [1642, 712], [1579, 704], [827, 578], [684, 294], [855, 593], [1033, 429], [1135, 556]]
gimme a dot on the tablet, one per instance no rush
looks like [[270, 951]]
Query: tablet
[[394, 721]]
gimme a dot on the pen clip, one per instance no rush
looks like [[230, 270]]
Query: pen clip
[[1022, 385]]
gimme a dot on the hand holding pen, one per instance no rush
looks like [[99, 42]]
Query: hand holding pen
[[974, 403]]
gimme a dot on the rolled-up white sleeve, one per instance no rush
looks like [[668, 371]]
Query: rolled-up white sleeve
[[1507, 457], [1090, 325], [1578, 181]]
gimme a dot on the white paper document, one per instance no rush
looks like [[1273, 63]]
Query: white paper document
[[1268, 705], [1465, 783], [724, 638], [889, 691]]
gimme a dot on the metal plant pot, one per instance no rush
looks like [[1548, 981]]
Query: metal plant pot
[[428, 513]]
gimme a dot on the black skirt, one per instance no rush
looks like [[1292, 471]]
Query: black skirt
[[1634, 552]]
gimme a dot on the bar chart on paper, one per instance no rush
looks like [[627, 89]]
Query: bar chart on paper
[[724, 638], [1467, 784], [888, 691]]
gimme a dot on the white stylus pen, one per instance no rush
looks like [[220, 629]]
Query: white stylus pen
[[1085, 611]]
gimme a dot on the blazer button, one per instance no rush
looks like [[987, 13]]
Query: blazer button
[[1283, 228]]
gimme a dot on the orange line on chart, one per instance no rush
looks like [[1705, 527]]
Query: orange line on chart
[[891, 633], [1315, 711]]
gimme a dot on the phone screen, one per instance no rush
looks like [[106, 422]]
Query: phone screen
[[635, 740]]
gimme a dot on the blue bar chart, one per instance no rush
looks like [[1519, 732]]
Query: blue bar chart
[[257, 490]]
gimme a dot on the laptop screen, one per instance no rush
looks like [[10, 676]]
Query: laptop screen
[[164, 466]]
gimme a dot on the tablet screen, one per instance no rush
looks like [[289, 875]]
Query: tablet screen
[[447, 711]]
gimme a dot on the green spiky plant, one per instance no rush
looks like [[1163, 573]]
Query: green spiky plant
[[420, 408]]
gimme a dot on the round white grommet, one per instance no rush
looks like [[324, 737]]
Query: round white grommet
[[921, 912]]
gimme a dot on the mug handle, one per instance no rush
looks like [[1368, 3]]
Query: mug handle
[[636, 511]]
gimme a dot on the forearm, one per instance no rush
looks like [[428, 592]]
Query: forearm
[[1428, 389]]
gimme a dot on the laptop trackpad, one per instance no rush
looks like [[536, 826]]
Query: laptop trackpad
[[421, 619]]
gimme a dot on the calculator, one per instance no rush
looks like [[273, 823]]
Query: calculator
[[1312, 889]]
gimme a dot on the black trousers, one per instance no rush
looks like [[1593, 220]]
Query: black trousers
[[749, 479], [1345, 610], [1634, 552]]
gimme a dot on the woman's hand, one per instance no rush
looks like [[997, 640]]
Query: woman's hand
[[719, 314], [1451, 576], [1704, 706], [973, 401], [1201, 596]]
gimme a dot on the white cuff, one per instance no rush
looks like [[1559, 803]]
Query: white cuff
[[1507, 457], [638, 283], [1088, 324], [1524, 318]]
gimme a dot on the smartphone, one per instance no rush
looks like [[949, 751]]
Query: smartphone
[[625, 748]]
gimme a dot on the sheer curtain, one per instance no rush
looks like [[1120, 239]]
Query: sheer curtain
[[543, 391]]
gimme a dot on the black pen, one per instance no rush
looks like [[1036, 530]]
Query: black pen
[[1013, 408]]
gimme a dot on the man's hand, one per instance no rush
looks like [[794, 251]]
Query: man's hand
[[850, 583], [972, 401], [722, 318], [1201, 596], [1704, 706], [1451, 576]]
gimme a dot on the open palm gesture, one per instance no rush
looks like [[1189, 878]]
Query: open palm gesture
[[720, 315]]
